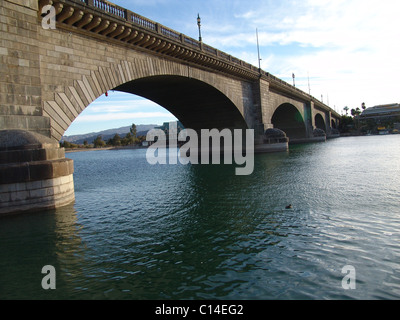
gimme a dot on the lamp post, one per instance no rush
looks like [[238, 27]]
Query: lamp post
[[199, 24], [258, 50]]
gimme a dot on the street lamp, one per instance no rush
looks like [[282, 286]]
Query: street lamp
[[199, 24]]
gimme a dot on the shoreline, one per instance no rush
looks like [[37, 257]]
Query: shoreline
[[70, 150]]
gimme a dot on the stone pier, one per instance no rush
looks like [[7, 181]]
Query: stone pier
[[34, 173]]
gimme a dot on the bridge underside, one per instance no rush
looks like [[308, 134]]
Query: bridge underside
[[319, 122], [196, 104], [288, 119]]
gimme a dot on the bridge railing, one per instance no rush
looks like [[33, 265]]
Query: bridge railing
[[170, 33], [210, 49], [143, 22], [192, 42], [108, 7]]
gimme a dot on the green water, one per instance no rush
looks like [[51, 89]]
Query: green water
[[138, 231]]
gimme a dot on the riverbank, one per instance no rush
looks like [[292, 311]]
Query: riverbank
[[70, 150], [357, 134]]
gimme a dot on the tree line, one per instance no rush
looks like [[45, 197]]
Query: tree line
[[130, 138], [349, 123], [355, 111], [357, 125]]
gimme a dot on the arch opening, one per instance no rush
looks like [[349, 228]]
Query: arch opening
[[319, 122], [118, 110], [196, 104], [289, 119]]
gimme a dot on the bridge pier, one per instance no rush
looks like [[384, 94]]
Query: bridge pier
[[34, 173], [274, 140], [265, 141]]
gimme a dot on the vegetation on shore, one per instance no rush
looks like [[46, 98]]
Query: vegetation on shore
[[355, 125], [130, 139]]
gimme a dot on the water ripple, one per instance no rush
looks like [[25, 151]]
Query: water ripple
[[139, 231]]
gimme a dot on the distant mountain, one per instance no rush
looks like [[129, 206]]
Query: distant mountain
[[141, 129]]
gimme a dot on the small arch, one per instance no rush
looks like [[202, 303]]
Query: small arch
[[319, 122], [289, 119]]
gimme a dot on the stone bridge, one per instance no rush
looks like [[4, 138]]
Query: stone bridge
[[50, 73]]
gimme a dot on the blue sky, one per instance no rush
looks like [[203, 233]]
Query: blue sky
[[347, 50]]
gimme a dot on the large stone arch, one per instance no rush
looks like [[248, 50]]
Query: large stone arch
[[289, 119], [196, 104], [165, 82]]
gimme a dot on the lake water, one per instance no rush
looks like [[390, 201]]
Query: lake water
[[138, 231]]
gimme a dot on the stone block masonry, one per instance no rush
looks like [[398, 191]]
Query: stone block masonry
[[20, 84], [34, 173]]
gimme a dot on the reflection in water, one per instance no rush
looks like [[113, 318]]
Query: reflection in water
[[139, 231], [30, 241], [70, 249]]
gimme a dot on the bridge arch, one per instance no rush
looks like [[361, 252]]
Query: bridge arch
[[319, 122], [197, 104], [200, 100], [289, 119]]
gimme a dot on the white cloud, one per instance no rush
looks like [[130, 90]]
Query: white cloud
[[122, 116], [349, 48], [120, 105]]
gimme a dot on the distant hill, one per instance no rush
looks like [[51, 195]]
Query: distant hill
[[141, 130]]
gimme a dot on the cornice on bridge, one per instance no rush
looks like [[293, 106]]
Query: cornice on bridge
[[101, 18]]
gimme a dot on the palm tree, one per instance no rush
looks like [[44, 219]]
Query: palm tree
[[363, 106], [346, 109]]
